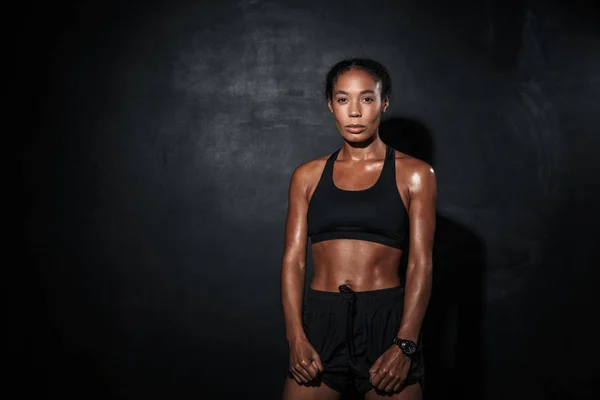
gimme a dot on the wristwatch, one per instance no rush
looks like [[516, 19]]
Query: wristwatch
[[408, 347]]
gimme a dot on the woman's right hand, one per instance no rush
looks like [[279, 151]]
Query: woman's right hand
[[305, 363]]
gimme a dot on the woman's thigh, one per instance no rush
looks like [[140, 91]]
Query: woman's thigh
[[411, 392], [294, 391]]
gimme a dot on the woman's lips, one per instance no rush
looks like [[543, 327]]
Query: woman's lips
[[355, 128]]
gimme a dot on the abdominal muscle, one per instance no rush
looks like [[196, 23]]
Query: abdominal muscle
[[361, 265]]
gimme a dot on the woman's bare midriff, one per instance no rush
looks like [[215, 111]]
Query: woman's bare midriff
[[360, 264]]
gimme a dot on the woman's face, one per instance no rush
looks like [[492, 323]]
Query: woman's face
[[356, 100]]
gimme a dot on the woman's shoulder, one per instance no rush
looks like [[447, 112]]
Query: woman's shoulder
[[411, 164], [411, 169], [308, 170]]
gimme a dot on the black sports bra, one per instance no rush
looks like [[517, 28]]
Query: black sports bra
[[376, 214]]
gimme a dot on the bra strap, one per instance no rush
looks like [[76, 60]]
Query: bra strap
[[390, 164], [389, 152], [328, 171], [333, 155]]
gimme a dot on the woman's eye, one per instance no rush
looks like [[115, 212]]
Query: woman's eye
[[369, 99], [341, 100]]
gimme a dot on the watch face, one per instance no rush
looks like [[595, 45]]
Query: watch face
[[408, 346]]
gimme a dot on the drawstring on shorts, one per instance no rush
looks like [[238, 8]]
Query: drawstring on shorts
[[346, 290]]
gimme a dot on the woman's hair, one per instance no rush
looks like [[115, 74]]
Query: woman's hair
[[377, 70]]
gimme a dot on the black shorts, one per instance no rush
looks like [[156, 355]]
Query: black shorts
[[351, 330]]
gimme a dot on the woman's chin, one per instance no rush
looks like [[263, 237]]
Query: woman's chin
[[358, 137]]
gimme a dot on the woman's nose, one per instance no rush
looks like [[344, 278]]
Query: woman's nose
[[354, 110]]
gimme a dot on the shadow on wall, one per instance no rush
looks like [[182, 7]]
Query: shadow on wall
[[452, 330]]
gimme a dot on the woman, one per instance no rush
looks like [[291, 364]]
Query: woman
[[361, 206]]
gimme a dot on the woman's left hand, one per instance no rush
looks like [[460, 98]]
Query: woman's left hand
[[389, 372]]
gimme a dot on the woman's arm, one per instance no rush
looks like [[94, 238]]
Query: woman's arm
[[305, 363], [293, 269], [423, 194], [390, 370]]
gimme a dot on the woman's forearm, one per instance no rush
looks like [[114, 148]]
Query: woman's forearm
[[416, 298], [292, 292]]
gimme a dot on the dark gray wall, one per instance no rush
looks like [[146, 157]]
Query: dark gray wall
[[158, 148]]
